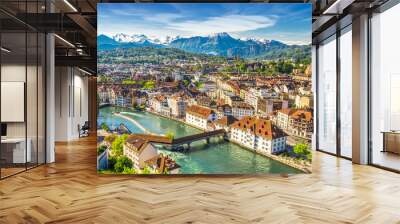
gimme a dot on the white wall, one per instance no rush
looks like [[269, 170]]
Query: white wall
[[80, 110], [71, 102], [34, 124], [62, 81], [12, 73]]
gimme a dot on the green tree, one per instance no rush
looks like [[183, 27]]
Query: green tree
[[170, 135], [101, 149], [242, 67], [122, 163], [110, 138], [146, 170], [105, 127], [111, 162], [117, 147], [128, 82], [197, 67], [128, 170], [303, 150], [186, 82], [103, 78], [228, 69], [198, 84], [149, 85]]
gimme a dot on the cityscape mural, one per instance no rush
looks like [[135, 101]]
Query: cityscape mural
[[216, 88]]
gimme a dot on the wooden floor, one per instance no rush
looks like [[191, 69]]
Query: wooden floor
[[5, 172], [386, 159], [70, 191]]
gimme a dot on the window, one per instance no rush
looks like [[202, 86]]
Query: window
[[334, 61], [327, 95], [346, 92], [22, 64], [385, 89]]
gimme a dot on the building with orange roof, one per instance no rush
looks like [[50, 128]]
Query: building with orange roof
[[139, 151], [225, 122], [301, 124], [199, 116], [268, 106], [258, 134], [223, 110], [233, 86], [163, 164], [158, 102], [297, 122], [282, 117], [303, 102]]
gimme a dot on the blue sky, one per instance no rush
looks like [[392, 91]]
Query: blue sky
[[289, 23]]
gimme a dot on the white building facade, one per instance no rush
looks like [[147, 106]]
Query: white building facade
[[199, 116], [259, 135]]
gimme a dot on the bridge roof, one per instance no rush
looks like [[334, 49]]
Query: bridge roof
[[165, 140], [152, 138]]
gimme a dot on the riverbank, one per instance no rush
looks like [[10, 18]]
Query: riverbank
[[285, 160], [175, 119]]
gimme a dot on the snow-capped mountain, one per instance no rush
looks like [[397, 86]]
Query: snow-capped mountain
[[221, 44], [221, 35], [141, 38], [165, 40], [124, 38]]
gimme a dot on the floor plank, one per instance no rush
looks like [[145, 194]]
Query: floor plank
[[70, 191]]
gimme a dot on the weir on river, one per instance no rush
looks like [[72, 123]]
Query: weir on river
[[135, 122]]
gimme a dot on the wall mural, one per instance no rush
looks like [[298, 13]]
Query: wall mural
[[204, 88]]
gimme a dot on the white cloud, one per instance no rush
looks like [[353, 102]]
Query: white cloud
[[296, 42], [127, 12], [163, 17], [228, 23]]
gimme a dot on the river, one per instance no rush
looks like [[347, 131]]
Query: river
[[218, 157]]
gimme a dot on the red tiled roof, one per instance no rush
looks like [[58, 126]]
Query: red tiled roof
[[302, 114], [199, 111], [242, 105], [226, 120], [136, 144], [162, 163], [297, 114], [159, 98], [286, 111], [259, 127]]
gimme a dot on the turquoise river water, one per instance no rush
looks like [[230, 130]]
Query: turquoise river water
[[218, 157]]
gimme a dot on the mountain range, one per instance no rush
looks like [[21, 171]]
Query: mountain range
[[220, 44]]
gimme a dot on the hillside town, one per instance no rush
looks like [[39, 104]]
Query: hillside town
[[268, 114]]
